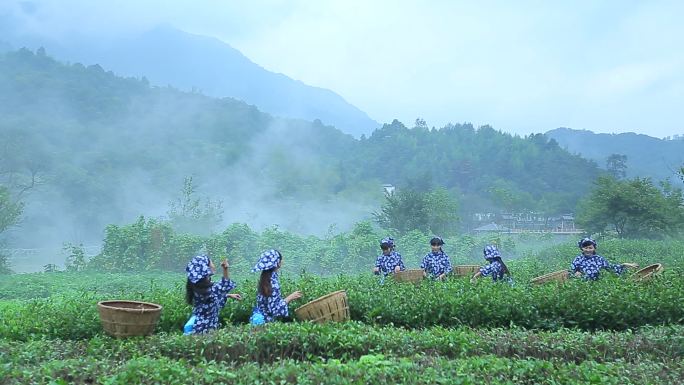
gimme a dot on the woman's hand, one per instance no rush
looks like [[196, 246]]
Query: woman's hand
[[236, 297], [376, 270], [578, 274], [294, 296], [397, 269], [224, 266]]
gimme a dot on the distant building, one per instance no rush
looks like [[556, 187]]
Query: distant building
[[523, 222], [492, 228]]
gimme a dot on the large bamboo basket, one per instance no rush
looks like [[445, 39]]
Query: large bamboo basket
[[121, 318], [330, 307], [465, 270], [648, 272], [410, 275], [557, 276]]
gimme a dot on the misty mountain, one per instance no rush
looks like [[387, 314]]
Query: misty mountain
[[168, 56], [646, 156], [106, 149]]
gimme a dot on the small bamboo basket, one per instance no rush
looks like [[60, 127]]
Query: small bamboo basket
[[330, 307], [121, 318], [557, 276], [410, 275], [465, 270], [648, 272]]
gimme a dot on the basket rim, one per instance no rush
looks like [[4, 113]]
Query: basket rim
[[650, 268], [410, 271], [319, 299], [548, 275], [106, 305]]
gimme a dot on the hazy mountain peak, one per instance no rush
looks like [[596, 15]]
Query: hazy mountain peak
[[646, 156], [166, 55]]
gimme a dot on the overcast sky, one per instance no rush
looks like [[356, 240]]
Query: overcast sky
[[521, 66]]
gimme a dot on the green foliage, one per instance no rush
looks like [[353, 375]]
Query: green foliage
[[633, 209], [623, 304], [144, 245], [241, 344], [374, 368]]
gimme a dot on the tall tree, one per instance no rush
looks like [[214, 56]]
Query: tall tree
[[616, 164], [442, 209], [632, 208], [10, 212], [433, 211], [190, 214], [403, 211]]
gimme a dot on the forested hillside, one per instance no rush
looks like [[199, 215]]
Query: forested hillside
[[645, 156], [105, 149]]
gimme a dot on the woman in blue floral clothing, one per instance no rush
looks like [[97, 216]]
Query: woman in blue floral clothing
[[206, 297], [496, 267], [589, 264], [389, 261], [436, 263], [269, 302]]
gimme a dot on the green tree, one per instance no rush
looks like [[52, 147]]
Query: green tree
[[10, 209], [403, 211], [442, 210], [189, 214], [616, 164], [76, 260], [434, 211], [632, 208], [10, 213]]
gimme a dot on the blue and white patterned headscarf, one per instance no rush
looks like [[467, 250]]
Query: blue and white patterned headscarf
[[586, 240], [198, 268], [491, 252], [389, 241], [267, 261]]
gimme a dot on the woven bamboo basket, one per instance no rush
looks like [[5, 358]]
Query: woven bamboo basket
[[648, 272], [330, 307], [465, 270], [121, 318], [410, 275], [557, 276]]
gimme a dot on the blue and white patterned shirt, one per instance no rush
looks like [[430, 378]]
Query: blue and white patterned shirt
[[494, 268], [207, 308], [387, 263], [436, 264], [273, 306], [590, 266]]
